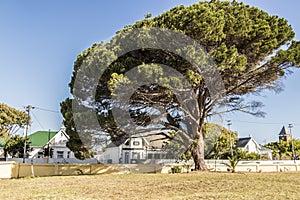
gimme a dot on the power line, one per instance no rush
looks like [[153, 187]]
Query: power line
[[270, 123], [37, 120], [47, 110]]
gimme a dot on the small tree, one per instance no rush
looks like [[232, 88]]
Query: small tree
[[15, 146], [252, 156], [11, 120], [237, 156]]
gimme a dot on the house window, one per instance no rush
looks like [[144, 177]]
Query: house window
[[150, 155], [136, 143], [68, 154], [60, 154], [157, 156]]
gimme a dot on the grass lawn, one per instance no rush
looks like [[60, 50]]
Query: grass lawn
[[196, 185]]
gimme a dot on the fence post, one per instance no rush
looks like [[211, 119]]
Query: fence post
[[32, 170]]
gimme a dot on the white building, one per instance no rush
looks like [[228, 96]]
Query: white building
[[55, 141], [249, 145], [132, 150]]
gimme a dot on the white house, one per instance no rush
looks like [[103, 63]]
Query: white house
[[135, 149], [249, 145], [55, 141], [111, 155], [41, 141]]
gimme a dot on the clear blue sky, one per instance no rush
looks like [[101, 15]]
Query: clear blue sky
[[39, 41]]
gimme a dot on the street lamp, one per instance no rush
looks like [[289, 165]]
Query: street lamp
[[293, 148], [229, 124]]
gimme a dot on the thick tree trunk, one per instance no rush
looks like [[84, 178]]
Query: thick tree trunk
[[197, 152]]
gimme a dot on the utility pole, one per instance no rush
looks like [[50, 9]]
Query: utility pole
[[229, 124], [48, 148], [27, 109], [293, 148]]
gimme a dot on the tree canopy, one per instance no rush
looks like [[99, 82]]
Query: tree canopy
[[217, 140], [283, 150], [14, 146], [251, 50], [11, 120]]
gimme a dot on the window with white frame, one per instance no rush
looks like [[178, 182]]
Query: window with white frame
[[60, 154]]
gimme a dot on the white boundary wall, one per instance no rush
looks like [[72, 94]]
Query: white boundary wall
[[6, 169], [243, 166], [55, 160], [16, 170]]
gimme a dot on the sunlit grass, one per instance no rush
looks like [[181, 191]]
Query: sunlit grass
[[197, 185]]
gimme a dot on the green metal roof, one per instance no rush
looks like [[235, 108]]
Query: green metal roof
[[40, 138]]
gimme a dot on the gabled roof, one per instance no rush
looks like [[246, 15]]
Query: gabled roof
[[116, 143], [242, 142], [284, 131], [41, 138]]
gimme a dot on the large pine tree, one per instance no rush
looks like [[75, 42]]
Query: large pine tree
[[245, 43]]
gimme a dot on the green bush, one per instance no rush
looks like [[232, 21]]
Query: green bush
[[176, 169]]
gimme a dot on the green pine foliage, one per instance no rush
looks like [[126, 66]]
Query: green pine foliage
[[244, 42]]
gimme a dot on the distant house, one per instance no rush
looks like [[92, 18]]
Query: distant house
[[132, 150], [40, 140], [56, 141], [285, 135], [249, 145]]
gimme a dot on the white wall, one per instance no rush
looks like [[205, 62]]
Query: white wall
[[6, 169], [55, 160], [111, 153]]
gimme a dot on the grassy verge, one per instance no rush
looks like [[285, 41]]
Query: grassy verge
[[197, 185]]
